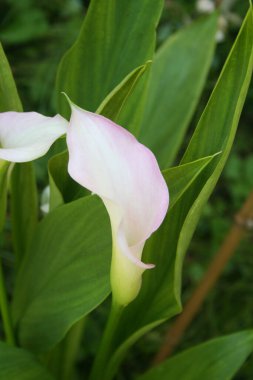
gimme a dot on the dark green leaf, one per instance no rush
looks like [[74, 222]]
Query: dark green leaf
[[178, 75], [116, 37], [18, 364], [218, 359], [23, 188], [9, 99], [65, 273]]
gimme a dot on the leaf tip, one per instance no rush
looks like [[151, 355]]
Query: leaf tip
[[145, 66], [66, 96], [218, 153]]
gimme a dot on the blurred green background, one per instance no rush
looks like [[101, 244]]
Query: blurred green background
[[35, 35]]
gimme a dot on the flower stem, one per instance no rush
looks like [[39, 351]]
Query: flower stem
[[4, 309], [71, 347], [104, 351]]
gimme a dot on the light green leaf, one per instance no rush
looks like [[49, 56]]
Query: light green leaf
[[18, 364], [9, 99], [24, 207], [24, 201], [222, 112], [108, 48], [65, 273], [23, 187], [177, 78], [217, 359], [215, 132], [114, 102], [181, 177], [132, 113]]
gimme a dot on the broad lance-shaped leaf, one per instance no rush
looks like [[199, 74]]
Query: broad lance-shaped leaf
[[113, 104], [23, 203], [217, 359], [215, 133], [179, 178], [18, 364], [130, 185], [9, 99], [64, 275], [178, 75], [108, 48]]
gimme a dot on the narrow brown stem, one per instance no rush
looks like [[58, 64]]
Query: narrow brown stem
[[243, 222], [218, 3]]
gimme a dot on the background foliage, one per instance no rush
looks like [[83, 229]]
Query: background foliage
[[31, 33]]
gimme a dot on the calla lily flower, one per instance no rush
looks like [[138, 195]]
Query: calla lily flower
[[25, 136], [109, 161]]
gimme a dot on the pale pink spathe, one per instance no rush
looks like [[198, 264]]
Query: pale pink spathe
[[110, 162], [25, 136]]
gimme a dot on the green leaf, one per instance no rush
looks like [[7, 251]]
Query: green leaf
[[24, 207], [18, 364], [108, 48], [23, 202], [222, 113], [9, 99], [166, 248], [177, 78], [217, 359], [181, 177], [65, 273], [114, 102]]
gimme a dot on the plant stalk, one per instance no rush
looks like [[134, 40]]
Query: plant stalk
[[70, 350], [4, 308], [102, 358]]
